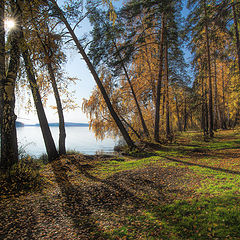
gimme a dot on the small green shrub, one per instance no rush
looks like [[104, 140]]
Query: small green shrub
[[72, 152]]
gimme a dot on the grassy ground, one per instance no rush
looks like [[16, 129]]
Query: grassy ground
[[186, 190]]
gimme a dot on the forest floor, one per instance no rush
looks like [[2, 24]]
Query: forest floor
[[186, 190]]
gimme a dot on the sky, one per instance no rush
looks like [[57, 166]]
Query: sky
[[75, 67]]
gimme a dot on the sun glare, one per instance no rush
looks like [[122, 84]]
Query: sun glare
[[9, 24]]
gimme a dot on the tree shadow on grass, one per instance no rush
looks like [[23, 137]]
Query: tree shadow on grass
[[203, 166], [164, 219], [75, 206], [84, 204], [109, 194], [205, 218], [129, 187], [111, 200]]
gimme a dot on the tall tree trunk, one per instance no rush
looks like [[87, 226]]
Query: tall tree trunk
[[228, 114], [159, 82], [224, 125], [47, 136], [216, 116], [152, 79], [236, 33], [203, 108], [153, 85], [163, 99], [178, 114], [185, 114], [113, 113], [206, 111], [145, 129], [62, 132], [236, 119], [168, 130], [210, 100], [9, 148], [2, 60]]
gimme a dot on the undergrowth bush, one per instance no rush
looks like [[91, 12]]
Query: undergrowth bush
[[22, 176], [43, 159], [72, 152]]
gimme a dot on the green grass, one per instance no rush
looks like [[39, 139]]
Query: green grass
[[72, 151], [108, 168], [217, 182], [215, 218], [213, 212], [222, 140]]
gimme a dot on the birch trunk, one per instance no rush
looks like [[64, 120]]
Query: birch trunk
[[9, 148]]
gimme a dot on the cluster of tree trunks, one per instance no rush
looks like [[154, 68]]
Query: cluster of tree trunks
[[214, 106]]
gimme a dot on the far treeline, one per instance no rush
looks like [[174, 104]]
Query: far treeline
[[145, 91]]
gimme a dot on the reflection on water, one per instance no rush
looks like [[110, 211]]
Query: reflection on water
[[78, 138]]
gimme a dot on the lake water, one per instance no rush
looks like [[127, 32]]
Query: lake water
[[78, 138]]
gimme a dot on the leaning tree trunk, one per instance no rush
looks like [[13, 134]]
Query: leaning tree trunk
[[210, 100], [62, 132], [236, 33], [159, 83], [130, 126], [47, 136], [113, 113], [145, 129], [9, 148]]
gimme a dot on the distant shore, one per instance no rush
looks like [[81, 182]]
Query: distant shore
[[67, 124]]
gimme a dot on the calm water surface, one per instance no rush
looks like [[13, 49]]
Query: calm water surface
[[78, 138]]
